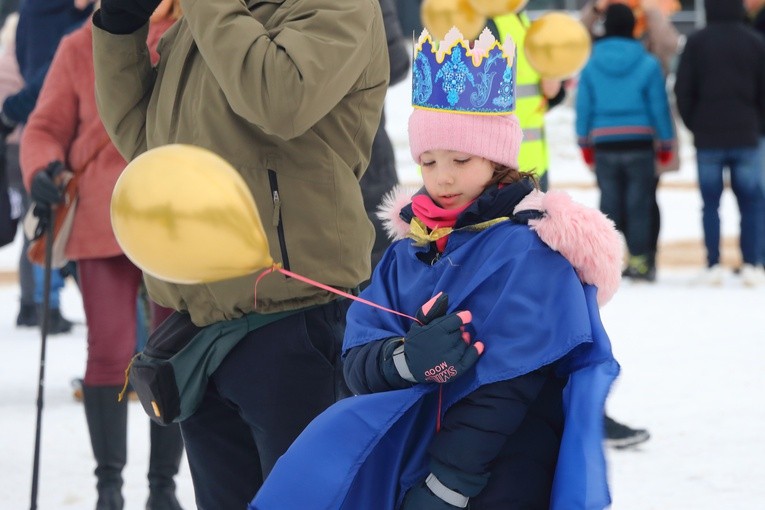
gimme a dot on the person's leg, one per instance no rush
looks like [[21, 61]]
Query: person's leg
[[142, 319], [269, 387], [107, 426], [745, 177], [639, 197], [27, 306], [655, 223], [109, 288], [711, 163], [610, 178], [166, 443], [223, 458], [56, 322], [70, 271], [164, 462]]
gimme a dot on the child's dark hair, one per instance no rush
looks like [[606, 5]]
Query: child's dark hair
[[506, 175]]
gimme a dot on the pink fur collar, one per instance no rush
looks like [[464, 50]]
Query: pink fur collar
[[585, 236]]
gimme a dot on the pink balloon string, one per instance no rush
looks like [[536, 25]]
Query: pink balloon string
[[303, 279]]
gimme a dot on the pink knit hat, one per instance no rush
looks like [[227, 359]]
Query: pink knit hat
[[494, 137]]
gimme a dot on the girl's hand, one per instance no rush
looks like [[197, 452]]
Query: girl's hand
[[438, 349]]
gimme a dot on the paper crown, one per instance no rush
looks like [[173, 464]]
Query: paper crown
[[458, 78]]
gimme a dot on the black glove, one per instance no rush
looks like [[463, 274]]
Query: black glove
[[420, 497], [7, 125], [125, 16], [439, 349], [43, 215], [44, 190]]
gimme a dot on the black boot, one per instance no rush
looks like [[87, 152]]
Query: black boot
[[107, 423], [164, 460], [57, 324], [27, 315]]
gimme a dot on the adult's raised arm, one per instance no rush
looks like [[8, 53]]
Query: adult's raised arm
[[124, 81], [287, 79]]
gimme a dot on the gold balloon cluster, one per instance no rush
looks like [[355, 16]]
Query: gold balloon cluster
[[557, 45], [184, 215], [439, 16], [491, 8], [469, 16]]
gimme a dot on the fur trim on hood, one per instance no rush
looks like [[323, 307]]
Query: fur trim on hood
[[387, 212], [585, 236]]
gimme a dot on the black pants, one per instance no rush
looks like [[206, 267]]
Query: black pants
[[269, 387]]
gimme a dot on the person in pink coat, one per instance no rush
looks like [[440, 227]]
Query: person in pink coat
[[65, 132]]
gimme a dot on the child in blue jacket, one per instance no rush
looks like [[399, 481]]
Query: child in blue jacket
[[493, 397], [624, 124]]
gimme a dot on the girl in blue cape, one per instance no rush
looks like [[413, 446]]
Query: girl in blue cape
[[493, 398]]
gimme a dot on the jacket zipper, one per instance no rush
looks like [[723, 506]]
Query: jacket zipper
[[276, 218]]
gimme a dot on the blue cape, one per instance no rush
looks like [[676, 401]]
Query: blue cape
[[530, 310]]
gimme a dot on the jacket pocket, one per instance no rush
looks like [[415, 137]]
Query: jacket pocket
[[276, 217]]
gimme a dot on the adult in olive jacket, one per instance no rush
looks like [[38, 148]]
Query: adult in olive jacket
[[290, 93]]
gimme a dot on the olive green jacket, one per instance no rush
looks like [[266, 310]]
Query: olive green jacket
[[290, 93]]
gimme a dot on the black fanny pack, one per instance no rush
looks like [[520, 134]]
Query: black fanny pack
[[170, 375]]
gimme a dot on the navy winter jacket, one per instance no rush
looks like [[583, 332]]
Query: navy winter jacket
[[720, 83], [42, 24]]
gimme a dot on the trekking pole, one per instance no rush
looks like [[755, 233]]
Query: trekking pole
[[44, 337]]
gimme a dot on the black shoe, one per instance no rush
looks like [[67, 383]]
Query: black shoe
[[163, 499], [57, 324], [648, 276], [619, 435], [640, 269], [27, 316], [110, 498]]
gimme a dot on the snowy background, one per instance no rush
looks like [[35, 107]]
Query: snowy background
[[692, 374]]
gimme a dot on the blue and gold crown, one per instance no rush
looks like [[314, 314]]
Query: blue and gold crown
[[455, 77]]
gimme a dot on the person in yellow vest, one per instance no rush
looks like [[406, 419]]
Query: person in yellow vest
[[534, 97]]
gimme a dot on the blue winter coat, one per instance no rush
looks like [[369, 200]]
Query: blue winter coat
[[622, 96], [529, 308]]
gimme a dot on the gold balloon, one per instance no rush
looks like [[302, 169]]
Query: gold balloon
[[491, 8], [557, 46], [439, 16], [184, 215]]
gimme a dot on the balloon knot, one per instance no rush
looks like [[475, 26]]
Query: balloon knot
[[276, 266]]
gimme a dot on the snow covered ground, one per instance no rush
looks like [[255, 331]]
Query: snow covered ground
[[691, 357]]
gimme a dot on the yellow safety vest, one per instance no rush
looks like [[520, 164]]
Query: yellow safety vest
[[530, 104]]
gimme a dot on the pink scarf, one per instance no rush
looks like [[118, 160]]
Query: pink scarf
[[434, 216]]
